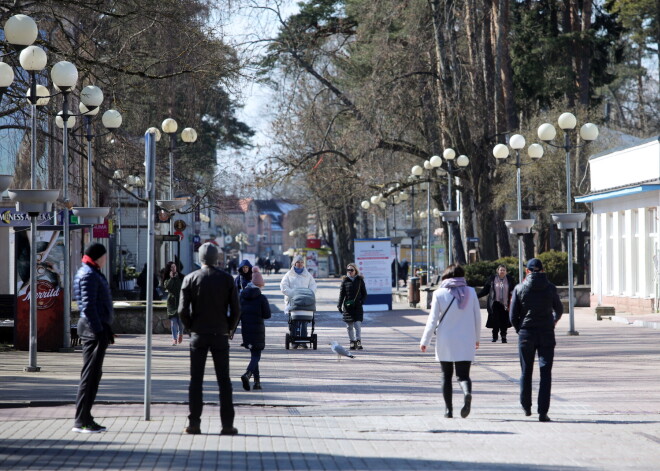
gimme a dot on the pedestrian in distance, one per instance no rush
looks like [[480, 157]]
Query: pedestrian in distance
[[172, 281], [534, 313], [498, 288], [456, 319], [296, 277], [92, 293], [142, 284], [352, 294], [254, 310], [210, 310], [244, 275]]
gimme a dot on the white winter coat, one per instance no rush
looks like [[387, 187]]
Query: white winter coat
[[292, 280], [459, 332]]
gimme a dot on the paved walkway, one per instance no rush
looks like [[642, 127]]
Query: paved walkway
[[379, 411]]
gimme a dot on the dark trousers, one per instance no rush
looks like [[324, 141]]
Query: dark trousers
[[218, 344], [93, 354], [531, 342], [462, 373], [253, 366]]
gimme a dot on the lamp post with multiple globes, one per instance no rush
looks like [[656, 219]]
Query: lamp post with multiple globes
[[519, 226], [568, 221]]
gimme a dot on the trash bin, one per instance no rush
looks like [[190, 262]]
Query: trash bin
[[413, 291]]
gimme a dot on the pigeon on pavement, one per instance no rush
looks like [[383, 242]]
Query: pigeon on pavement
[[340, 351]]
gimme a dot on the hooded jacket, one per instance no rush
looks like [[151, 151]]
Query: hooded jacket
[[242, 279], [535, 304], [254, 309], [292, 280]]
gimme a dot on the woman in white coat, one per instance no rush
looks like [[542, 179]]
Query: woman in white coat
[[296, 277], [456, 319]]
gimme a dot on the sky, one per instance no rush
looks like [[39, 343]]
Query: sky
[[243, 27]]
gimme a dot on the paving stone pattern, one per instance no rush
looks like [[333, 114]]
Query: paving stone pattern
[[382, 410]]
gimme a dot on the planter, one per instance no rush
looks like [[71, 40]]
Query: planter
[[91, 215], [127, 285]]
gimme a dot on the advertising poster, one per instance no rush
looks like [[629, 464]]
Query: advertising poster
[[50, 296], [373, 258], [312, 262]]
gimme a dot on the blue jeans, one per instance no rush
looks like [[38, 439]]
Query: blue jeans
[[218, 344], [253, 366], [177, 328], [531, 342]]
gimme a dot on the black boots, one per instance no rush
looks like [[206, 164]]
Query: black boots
[[494, 336], [245, 379], [504, 338], [257, 382], [467, 392], [449, 413], [356, 345]]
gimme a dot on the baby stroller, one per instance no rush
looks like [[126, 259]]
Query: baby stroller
[[301, 307]]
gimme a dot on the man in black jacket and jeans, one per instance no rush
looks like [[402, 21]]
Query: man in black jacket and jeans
[[535, 310], [209, 308]]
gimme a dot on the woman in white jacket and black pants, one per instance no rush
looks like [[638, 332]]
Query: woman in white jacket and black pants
[[296, 277], [456, 316]]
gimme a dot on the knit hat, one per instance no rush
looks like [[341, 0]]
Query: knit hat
[[95, 251], [208, 254], [257, 277], [296, 259]]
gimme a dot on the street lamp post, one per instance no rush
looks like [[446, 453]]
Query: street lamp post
[[501, 152], [450, 216], [20, 32], [188, 135], [65, 76], [568, 221]]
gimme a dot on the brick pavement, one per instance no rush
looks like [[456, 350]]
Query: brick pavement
[[379, 411]]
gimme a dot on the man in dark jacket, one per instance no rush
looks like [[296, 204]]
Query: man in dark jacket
[[92, 293], [209, 308], [534, 312]]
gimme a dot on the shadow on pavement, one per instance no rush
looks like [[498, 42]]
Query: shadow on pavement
[[55, 454]]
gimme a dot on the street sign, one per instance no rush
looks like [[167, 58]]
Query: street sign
[[170, 238], [473, 239]]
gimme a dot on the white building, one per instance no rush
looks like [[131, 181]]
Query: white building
[[625, 195]]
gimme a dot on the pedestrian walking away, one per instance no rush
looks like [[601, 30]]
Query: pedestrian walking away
[[172, 283], [456, 319], [94, 299], [210, 310], [254, 309], [296, 277], [498, 288], [244, 275], [534, 312], [352, 294]]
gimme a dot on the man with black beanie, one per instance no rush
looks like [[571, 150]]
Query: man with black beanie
[[92, 293], [534, 311], [209, 308]]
